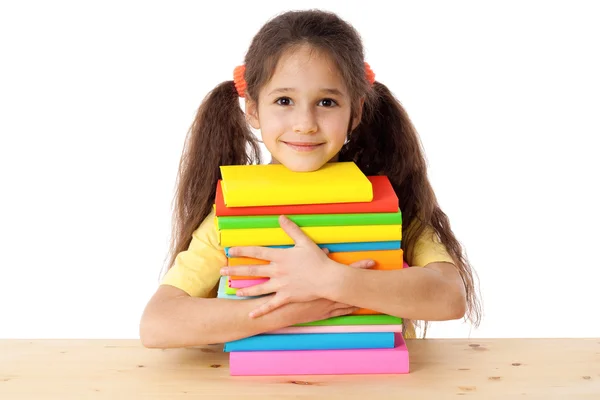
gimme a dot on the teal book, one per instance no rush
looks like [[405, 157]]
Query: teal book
[[313, 341], [346, 247], [305, 220]]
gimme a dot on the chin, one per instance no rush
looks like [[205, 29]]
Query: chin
[[303, 165]]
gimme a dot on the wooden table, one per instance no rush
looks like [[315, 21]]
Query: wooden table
[[492, 368]]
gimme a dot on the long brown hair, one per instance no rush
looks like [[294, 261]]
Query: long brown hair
[[384, 143]]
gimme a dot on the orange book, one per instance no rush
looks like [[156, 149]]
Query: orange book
[[364, 311], [385, 260]]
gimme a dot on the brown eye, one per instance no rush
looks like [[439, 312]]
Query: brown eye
[[283, 101], [327, 103]]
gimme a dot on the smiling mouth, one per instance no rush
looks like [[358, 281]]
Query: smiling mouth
[[303, 146]]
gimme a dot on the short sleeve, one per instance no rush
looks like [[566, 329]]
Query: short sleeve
[[428, 248], [196, 270]]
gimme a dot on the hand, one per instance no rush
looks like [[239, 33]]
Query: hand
[[298, 274], [315, 310]]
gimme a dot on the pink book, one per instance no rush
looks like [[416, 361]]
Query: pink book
[[322, 362], [244, 283], [338, 329]]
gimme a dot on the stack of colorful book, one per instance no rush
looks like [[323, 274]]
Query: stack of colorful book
[[356, 218]]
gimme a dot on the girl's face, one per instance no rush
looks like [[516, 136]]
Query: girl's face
[[304, 111]]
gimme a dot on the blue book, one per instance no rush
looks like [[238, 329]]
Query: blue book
[[313, 341], [347, 247]]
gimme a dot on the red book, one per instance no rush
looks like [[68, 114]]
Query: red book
[[384, 201]]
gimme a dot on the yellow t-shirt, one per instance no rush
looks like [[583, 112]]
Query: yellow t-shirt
[[196, 270]]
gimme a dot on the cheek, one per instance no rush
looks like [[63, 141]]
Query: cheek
[[336, 128], [272, 129], [271, 133], [271, 124]]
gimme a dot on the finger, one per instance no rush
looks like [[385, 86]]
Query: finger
[[261, 253], [325, 250], [258, 290], [342, 311], [271, 305], [342, 305], [363, 264], [293, 231], [264, 270]]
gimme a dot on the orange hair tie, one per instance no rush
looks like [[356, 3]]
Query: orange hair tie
[[369, 73], [240, 82]]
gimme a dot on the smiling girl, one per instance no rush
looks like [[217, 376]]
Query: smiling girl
[[308, 90]]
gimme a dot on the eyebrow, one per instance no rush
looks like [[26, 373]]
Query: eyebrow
[[325, 90]]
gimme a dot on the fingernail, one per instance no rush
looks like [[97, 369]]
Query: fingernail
[[224, 271], [240, 293], [371, 263]]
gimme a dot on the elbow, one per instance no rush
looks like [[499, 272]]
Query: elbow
[[456, 305], [151, 335], [148, 336], [150, 340], [457, 311]]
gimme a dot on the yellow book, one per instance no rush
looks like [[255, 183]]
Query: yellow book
[[318, 234], [274, 184]]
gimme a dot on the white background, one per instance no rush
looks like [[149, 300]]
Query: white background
[[96, 99]]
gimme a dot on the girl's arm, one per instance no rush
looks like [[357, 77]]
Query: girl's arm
[[433, 293], [172, 318]]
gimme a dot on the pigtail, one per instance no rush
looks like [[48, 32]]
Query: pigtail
[[218, 136], [386, 143]]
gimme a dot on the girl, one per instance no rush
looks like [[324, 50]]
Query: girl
[[308, 90]]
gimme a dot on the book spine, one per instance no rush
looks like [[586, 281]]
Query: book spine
[[384, 259], [381, 319], [313, 341], [321, 362], [337, 329], [346, 247], [305, 220], [318, 234]]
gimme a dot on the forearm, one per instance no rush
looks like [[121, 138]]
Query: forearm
[[413, 293], [189, 321]]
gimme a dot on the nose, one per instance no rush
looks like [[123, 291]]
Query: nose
[[305, 122]]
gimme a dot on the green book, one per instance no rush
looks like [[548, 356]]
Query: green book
[[378, 319], [303, 220]]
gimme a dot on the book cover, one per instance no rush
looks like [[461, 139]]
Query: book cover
[[384, 201], [275, 184]]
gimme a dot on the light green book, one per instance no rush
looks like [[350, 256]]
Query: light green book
[[305, 220], [377, 319]]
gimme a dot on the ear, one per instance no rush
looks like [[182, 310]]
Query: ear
[[252, 113], [358, 114]]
